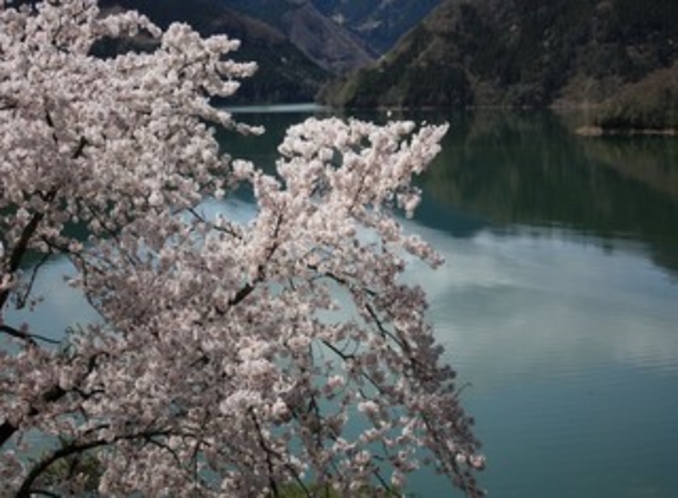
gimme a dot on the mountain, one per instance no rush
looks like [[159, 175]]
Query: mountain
[[322, 40], [379, 23], [336, 35], [339, 35], [518, 53], [285, 73]]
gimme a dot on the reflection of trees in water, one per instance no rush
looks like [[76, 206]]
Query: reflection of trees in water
[[649, 160], [525, 168]]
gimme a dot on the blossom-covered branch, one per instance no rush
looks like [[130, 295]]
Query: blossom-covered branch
[[231, 358]]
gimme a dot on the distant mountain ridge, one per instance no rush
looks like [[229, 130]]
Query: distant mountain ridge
[[379, 23], [297, 44], [323, 41], [326, 43], [518, 53], [338, 35]]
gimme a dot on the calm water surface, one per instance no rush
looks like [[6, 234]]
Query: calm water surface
[[558, 303]]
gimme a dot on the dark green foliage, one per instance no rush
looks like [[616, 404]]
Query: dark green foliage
[[651, 104], [326, 491], [83, 467], [388, 20], [520, 53]]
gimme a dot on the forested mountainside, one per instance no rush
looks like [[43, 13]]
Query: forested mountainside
[[321, 39], [519, 53], [324, 41], [374, 26], [298, 44], [285, 73], [378, 23]]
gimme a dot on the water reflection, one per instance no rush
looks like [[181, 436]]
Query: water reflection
[[543, 307], [526, 169], [557, 303]]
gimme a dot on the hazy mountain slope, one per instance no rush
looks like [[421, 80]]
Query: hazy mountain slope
[[519, 52], [379, 23], [325, 42], [338, 34], [285, 73]]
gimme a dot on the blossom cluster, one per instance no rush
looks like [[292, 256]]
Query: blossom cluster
[[232, 358]]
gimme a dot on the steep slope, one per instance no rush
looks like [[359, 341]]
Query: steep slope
[[379, 23], [520, 53], [325, 42], [338, 34], [285, 73]]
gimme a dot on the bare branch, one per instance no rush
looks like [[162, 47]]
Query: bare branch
[[25, 336]]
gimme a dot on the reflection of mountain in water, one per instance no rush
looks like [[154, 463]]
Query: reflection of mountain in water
[[526, 169], [512, 170]]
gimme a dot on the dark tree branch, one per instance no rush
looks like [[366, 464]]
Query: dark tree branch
[[55, 393], [7, 430], [7, 104], [21, 246], [269, 455], [25, 336], [50, 123], [22, 299], [80, 148], [249, 288], [20, 249], [25, 491]]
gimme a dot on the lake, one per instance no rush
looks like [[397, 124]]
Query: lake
[[558, 303]]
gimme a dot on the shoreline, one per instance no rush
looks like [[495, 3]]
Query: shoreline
[[597, 131]]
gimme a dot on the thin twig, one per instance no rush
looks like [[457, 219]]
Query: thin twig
[[25, 336]]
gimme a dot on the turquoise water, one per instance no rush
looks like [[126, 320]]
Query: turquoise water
[[558, 303]]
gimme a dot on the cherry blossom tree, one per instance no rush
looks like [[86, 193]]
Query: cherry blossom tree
[[231, 358]]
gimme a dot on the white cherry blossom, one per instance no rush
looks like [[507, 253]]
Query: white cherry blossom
[[231, 358]]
